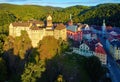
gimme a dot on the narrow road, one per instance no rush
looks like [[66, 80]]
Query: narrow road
[[112, 65]]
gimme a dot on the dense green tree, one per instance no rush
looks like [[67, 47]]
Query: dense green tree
[[48, 47], [6, 18], [16, 54], [9, 43], [33, 71], [67, 66], [22, 44], [34, 56], [94, 68], [3, 70], [64, 45], [96, 14], [19, 45], [3, 36]]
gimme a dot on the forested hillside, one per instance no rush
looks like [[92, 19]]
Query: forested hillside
[[84, 14], [109, 12]]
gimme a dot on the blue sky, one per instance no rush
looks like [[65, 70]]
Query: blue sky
[[60, 3]]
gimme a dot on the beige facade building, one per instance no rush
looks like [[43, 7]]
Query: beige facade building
[[86, 50], [38, 29]]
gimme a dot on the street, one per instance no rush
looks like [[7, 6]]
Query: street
[[112, 65]]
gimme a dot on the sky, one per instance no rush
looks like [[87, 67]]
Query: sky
[[59, 3]]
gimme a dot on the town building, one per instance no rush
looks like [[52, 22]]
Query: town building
[[113, 42], [38, 29], [86, 32], [83, 50], [100, 53], [90, 48], [73, 31], [115, 49]]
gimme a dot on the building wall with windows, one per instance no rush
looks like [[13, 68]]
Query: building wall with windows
[[37, 30], [115, 50], [85, 50]]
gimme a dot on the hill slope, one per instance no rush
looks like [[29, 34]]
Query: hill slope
[[84, 14], [25, 12], [96, 14]]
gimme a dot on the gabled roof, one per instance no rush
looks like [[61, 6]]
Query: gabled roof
[[87, 27], [113, 33], [60, 26], [72, 28], [99, 48], [22, 24], [84, 44]]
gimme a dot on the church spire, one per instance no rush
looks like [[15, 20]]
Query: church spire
[[104, 23], [104, 27], [70, 22]]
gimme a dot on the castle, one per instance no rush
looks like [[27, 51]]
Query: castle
[[38, 29]]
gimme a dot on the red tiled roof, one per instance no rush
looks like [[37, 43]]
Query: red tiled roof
[[100, 49]]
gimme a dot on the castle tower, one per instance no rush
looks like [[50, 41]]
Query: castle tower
[[49, 22]]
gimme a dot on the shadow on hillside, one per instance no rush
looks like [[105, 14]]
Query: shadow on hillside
[[15, 64]]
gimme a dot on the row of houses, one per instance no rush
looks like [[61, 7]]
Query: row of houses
[[112, 37], [88, 42], [113, 43], [87, 49]]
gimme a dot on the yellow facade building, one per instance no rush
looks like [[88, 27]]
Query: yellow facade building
[[38, 29]]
